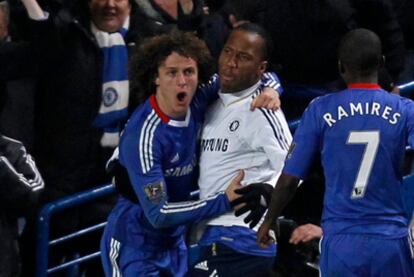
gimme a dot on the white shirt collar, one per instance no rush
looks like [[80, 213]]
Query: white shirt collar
[[231, 98]]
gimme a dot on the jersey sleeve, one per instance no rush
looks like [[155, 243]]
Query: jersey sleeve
[[272, 135], [20, 181], [305, 145], [142, 158], [206, 93], [270, 79]]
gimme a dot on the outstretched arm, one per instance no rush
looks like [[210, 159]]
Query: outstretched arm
[[285, 190], [147, 177]]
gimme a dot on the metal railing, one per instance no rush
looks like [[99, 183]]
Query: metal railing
[[406, 89], [43, 243]]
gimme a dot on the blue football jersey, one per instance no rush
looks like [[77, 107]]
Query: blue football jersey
[[361, 134]]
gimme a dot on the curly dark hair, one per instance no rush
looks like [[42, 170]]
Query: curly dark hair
[[144, 65]]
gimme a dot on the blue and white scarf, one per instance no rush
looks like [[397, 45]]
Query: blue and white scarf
[[115, 85]]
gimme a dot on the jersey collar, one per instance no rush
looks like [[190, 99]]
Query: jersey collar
[[231, 98], [363, 86], [165, 118]]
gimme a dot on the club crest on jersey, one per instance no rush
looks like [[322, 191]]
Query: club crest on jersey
[[291, 148], [110, 96], [155, 192], [234, 125]]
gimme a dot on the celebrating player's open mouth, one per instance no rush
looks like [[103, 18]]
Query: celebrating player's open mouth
[[182, 97]]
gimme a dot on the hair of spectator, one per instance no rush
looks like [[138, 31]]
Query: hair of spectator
[[4, 7], [267, 46], [153, 52], [360, 52]]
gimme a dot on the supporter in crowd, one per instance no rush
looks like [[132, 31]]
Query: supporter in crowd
[[145, 231], [20, 184], [167, 13], [15, 84], [365, 130], [233, 137]]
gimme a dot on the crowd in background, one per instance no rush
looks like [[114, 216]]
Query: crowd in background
[[51, 72]]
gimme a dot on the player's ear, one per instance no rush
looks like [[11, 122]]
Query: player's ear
[[263, 66], [156, 80]]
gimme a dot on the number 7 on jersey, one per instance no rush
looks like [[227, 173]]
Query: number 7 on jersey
[[371, 140]]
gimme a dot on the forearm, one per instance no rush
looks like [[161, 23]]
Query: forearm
[[179, 213], [281, 196], [33, 9]]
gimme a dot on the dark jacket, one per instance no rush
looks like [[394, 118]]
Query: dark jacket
[[20, 184]]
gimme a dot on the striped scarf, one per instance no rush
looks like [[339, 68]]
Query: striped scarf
[[113, 111]]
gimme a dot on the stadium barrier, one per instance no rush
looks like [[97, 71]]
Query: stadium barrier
[[406, 89], [43, 243]]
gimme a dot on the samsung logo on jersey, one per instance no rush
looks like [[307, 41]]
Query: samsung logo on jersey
[[180, 170], [374, 108], [214, 144]]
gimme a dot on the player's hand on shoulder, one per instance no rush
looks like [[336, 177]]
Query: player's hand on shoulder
[[267, 99]]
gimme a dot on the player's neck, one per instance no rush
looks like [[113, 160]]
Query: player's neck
[[372, 79]]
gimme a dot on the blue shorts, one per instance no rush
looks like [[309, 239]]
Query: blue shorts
[[124, 260], [354, 255], [219, 260]]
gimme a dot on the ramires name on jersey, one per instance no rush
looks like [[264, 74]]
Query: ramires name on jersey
[[367, 108], [214, 144], [180, 170]]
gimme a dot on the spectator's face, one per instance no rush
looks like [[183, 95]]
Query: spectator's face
[[3, 25], [240, 63], [109, 15], [176, 84]]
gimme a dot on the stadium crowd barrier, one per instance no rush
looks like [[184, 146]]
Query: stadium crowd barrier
[[43, 243]]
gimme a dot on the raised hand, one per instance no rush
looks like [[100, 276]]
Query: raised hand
[[187, 6]]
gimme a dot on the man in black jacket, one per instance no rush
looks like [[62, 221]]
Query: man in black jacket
[[20, 184]]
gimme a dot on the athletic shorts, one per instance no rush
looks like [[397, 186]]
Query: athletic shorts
[[126, 261], [355, 255], [218, 260]]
